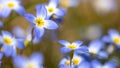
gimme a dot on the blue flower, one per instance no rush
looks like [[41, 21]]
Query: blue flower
[[95, 46], [65, 62], [40, 21], [52, 9], [35, 61], [97, 64], [75, 46], [6, 6], [10, 43], [113, 37]]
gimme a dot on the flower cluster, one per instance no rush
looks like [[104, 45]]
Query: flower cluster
[[49, 17]]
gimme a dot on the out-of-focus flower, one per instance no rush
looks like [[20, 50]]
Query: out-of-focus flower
[[1, 24], [75, 46], [65, 62], [98, 64], [104, 6], [35, 61], [91, 32], [69, 3], [95, 46], [10, 43], [6, 6], [52, 9], [40, 22], [113, 37]]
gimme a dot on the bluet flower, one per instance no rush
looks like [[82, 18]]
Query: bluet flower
[[10, 43], [52, 8], [40, 21], [113, 37], [65, 62], [6, 6], [74, 46], [34, 61]]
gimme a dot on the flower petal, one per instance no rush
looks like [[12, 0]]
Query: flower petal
[[49, 24], [65, 50], [82, 49], [53, 3], [30, 18], [20, 43], [38, 32], [6, 33], [64, 42], [78, 43], [109, 64], [5, 12], [60, 12], [20, 10], [7, 50], [41, 11]]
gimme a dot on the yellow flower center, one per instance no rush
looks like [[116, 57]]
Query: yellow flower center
[[67, 63], [39, 22], [50, 10], [116, 40], [8, 41], [11, 5], [72, 46], [76, 61], [30, 66]]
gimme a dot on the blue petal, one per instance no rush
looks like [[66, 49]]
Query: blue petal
[[20, 10], [30, 18], [60, 12], [18, 32], [84, 64], [64, 42], [107, 39], [82, 49], [53, 3], [96, 64], [6, 33], [37, 57], [63, 66], [103, 54], [113, 33], [1, 55], [65, 50], [110, 64], [38, 32], [1, 24], [78, 43], [49, 24], [19, 61], [20, 43], [96, 45], [5, 12], [41, 11], [7, 50]]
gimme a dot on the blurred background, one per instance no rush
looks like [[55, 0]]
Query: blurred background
[[85, 20]]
